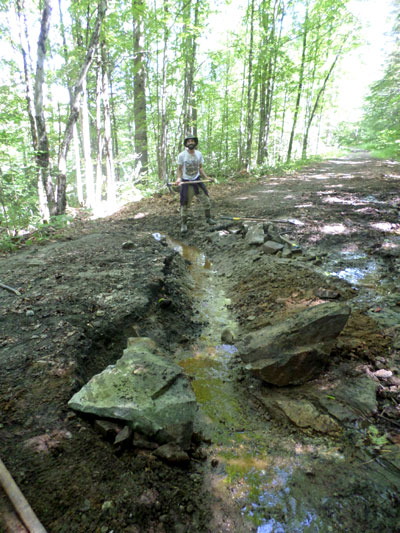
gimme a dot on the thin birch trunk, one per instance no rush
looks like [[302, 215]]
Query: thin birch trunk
[[299, 87], [99, 135], [74, 109], [115, 132], [79, 184], [43, 149], [163, 132], [316, 103], [139, 88], [250, 121], [108, 148], [87, 150], [76, 141], [26, 58]]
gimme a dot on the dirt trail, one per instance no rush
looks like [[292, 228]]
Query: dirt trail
[[84, 294]]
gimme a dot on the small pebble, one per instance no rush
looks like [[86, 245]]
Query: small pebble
[[107, 505]]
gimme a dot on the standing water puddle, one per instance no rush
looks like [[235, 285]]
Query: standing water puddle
[[265, 468], [376, 288]]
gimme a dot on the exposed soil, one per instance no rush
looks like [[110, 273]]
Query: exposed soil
[[86, 290]]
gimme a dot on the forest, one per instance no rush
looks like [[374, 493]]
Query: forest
[[95, 98]]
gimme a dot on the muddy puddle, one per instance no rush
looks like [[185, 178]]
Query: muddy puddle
[[281, 480], [377, 289]]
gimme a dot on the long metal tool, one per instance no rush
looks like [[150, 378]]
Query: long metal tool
[[191, 182], [257, 219]]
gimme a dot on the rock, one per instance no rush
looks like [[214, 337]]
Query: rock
[[326, 294], [346, 399], [128, 245], [272, 233], [200, 454], [321, 405], [108, 429], [296, 350], [227, 336], [124, 436], [383, 374], [255, 234], [148, 498], [149, 393], [171, 453], [359, 394], [305, 415], [272, 247], [139, 441], [107, 505], [286, 252]]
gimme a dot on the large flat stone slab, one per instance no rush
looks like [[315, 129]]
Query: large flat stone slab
[[146, 391], [325, 406], [297, 349]]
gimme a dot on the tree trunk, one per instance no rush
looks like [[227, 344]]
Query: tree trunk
[[250, 121], [79, 185], [87, 151], [115, 133], [139, 88], [24, 42], [316, 103], [299, 87], [269, 87], [43, 150], [108, 149], [74, 109], [190, 47], [163, 110], [99, 135]]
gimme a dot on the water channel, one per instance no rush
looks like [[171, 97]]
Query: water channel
[[282, 481]]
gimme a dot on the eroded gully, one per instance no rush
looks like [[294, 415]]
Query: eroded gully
[[282, 480]]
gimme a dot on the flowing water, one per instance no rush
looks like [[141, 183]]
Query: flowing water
[[283, 481]]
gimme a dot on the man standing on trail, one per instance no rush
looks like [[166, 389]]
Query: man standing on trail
[[190, 168]]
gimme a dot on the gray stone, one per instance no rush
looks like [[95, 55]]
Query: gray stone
[[326, 294], [383, 374], [305, 415], [272, 233], [124, 436], [108, 429], [128, 245], [296, 350], [359, 395], [140, 441], [344, 399], [171, 453], [272, 247], [227, 336], [151, 394], [325, 406], [255, 234], [287, 251]]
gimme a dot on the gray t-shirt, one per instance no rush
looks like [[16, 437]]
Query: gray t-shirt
[[190, 164]]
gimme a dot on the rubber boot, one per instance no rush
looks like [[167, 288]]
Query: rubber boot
[[184, 227], [209, 220]]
